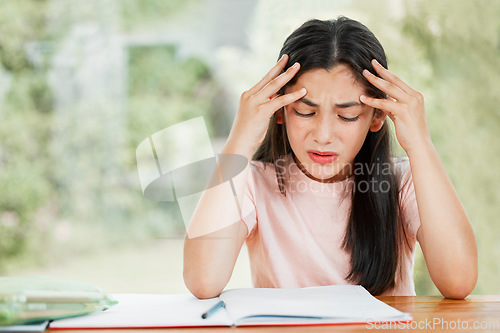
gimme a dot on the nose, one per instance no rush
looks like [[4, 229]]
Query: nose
[[324, 131]]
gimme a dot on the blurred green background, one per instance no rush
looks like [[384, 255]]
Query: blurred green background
[[83, 83]]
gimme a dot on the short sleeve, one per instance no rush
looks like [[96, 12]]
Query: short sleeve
[[248, 210], [407, 197]]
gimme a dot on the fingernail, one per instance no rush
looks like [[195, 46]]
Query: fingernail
[[281, 58], [296, 65], [362, 98], [303, 90], [375, 61], [366, 72]]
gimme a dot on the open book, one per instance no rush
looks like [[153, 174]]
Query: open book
[[243, 307]]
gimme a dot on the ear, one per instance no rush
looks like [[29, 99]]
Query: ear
[[377, 121], [279, 117]]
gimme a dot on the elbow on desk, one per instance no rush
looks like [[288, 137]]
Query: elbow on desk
[[203, 292], [459, 288], [200, 287], [458, 293]]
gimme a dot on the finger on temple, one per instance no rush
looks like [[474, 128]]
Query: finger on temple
[[283, 100], [387, 106]]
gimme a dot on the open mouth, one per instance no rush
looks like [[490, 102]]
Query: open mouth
[[322, 157]]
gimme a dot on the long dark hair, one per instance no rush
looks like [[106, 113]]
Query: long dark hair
[[375, 234]]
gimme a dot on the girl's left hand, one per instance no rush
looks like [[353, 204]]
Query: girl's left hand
[[405, 107]]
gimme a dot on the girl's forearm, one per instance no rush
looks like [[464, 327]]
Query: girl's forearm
[[445, 236], [216, 233], [209, 260]]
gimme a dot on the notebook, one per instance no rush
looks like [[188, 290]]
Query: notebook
[[344, 304]]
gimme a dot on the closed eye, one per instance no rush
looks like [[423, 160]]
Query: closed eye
[[348, 119], [305, 115]]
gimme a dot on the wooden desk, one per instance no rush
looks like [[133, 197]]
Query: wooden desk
[[430, 314]]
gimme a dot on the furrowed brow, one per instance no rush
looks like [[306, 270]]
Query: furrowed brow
[[347, 105], [339, 105], [308, 102]]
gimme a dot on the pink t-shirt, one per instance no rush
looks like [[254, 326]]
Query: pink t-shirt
[[295, 240]]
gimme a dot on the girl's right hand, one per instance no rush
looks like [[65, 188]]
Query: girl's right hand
[[258, 105]]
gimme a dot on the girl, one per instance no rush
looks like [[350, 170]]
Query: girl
[[323, 202]]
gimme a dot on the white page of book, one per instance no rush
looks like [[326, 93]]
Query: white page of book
[[340, 303], [150, 310]]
